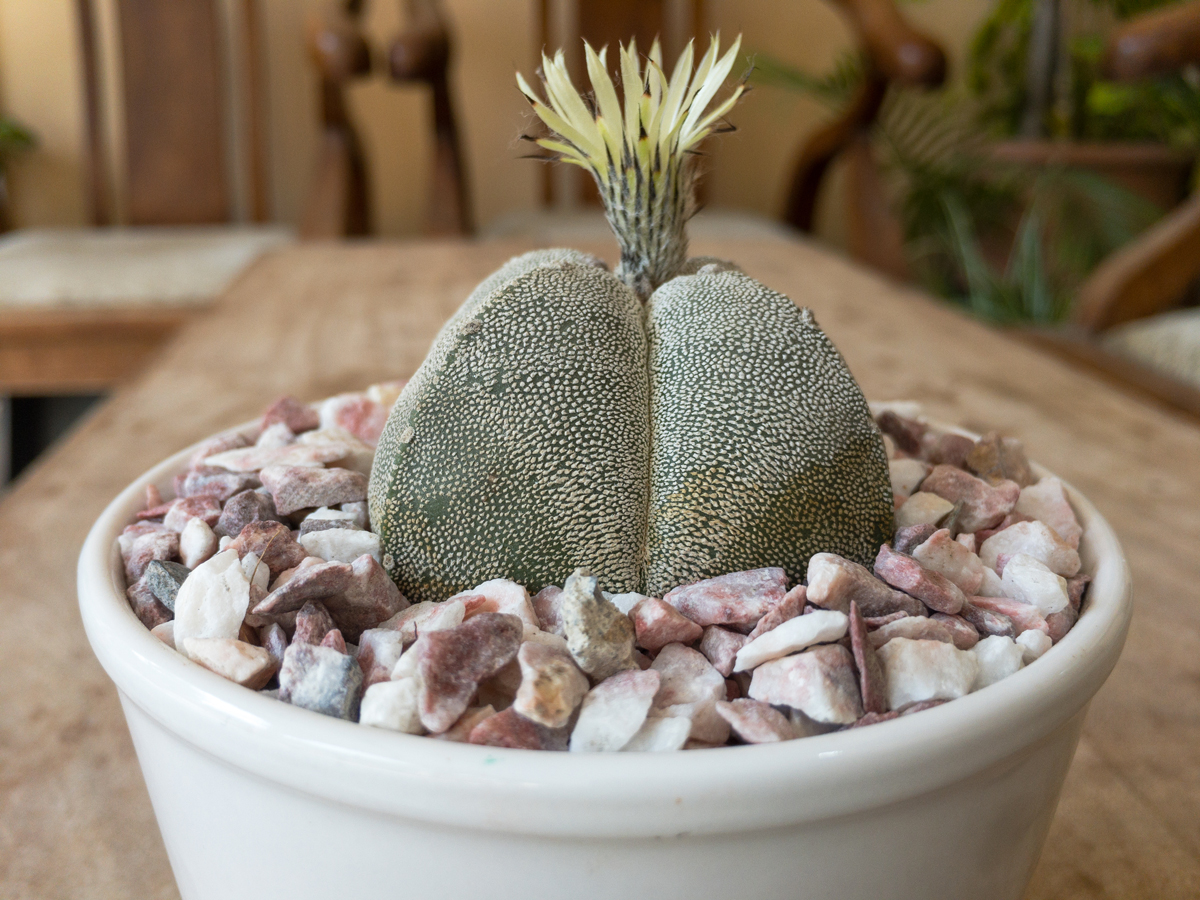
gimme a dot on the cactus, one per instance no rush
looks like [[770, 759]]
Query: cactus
[[668, 422]]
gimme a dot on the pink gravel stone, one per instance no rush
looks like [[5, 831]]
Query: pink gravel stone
[[291, 412], [907, 433], [871, 681], [238, 661], [983, 505], [334, 640], [791, 606], [184, 509], [915, 628], [460, 731], [995, 458], [242, 509], [820, 682], [213, 482], [146, 606], [546, 605], [964, 633], [942, 554], [1047, 502], [454, 661], [369, 597], [299, 455], [658, 623], [873, 718], [163, 545], [1024, 616], [356, 413], [552, 686], [949, 449], [987, 622], [1075, 588], [1059, 623], [756, 722], [511, 729], [910, 537], [300, 487], [273, 543], [934, 590], [739, 599], [273, 639], [214, 445], [834, 582], [720, 646], [312, 582], [690, 688], [313, 622], [874, 622]]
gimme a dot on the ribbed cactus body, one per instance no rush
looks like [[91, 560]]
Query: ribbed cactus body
[[558, 423]]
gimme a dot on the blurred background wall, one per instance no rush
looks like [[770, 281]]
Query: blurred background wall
[[40, 85]]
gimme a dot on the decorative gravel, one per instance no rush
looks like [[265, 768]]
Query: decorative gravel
[[262, 568]]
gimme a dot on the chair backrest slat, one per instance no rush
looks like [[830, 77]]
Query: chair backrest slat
[[173, 95]]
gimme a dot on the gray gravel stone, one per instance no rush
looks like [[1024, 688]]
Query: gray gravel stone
[[598, 635], [321, 679], [163, 578]]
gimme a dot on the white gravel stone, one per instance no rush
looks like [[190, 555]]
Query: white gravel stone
[[625, 602], [505, 596], [1030, 581], [406, 665], [165, 632], [1033, 644], [658, 735], [1037, 539], [212, 601], [274, 436], [241, 663], [922, 508], [948, 557], [325, 512], [394, 705], [926, 670], [197, 542], [992, 585], [1047, 502], [796, 634], [998, 657], [342, 545], [907, 474], [614, 710], [256, 572]]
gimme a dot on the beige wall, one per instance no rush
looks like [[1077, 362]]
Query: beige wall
[[40, 84]]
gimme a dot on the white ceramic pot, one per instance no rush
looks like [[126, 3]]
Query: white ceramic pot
[[257, 799]]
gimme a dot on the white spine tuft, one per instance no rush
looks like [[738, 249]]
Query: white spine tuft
[[640, 152]]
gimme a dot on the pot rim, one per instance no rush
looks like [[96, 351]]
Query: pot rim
[[600, 794]]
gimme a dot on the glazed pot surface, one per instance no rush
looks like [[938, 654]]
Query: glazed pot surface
[[258, 798]]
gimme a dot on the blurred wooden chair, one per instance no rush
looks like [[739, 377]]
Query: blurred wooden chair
[[339, 203], [81, 309], [894, 52], [1132, 323], [569, 201]]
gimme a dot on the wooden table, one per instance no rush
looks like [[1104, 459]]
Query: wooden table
[[74, 816]]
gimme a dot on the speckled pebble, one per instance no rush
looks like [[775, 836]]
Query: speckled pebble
[[320, 679], [599, 637], [164, 578]]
